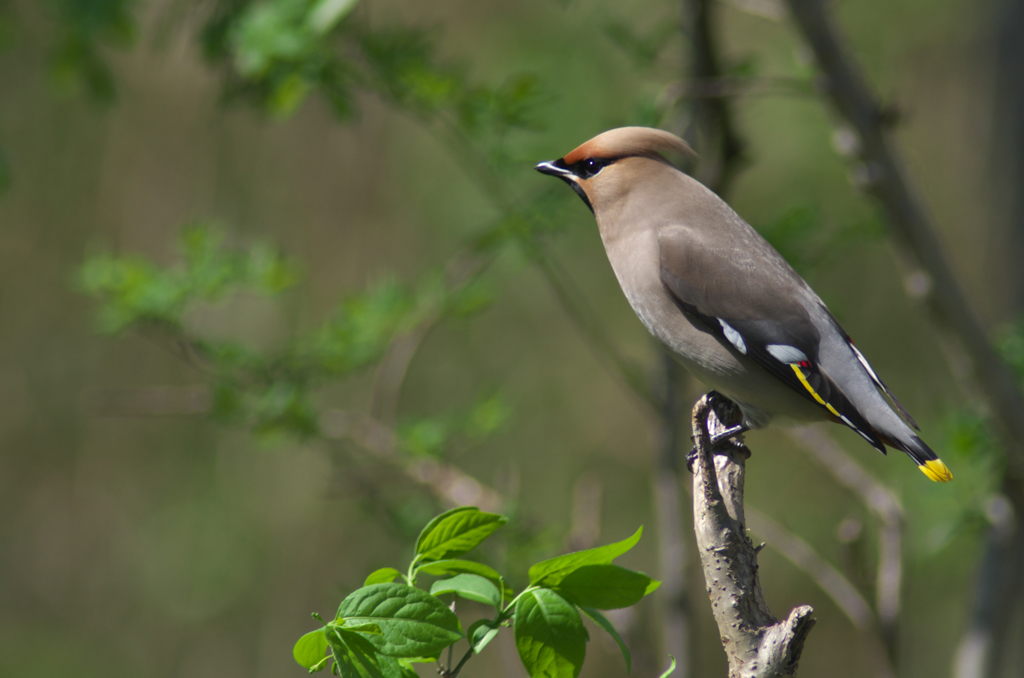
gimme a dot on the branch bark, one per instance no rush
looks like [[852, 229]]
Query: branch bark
[[756, 643]]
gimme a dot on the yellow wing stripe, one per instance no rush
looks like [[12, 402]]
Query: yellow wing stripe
[[803, 380]]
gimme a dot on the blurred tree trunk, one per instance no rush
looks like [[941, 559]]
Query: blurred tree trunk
[[1007, 148], [988, 649], [707, 124]]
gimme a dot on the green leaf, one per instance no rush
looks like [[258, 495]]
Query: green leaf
[[469, 586], [384, 575], [310, 649], [325, 14], [413, 623], [482, 632], [549, 635], [671, 668], [350, 637], [354, 657], [602, 621], [551, 572], [606, 587], [406, 671], [371, 629], [454, 532], [457, 566]]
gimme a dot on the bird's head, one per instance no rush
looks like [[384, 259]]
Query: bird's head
[[612, 161]]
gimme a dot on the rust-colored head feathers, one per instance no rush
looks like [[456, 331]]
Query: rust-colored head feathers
[[629, 141], [581, 166]]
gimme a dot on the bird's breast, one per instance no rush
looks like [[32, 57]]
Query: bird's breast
[[636, 261]]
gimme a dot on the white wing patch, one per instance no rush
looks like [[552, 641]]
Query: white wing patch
[[864, 362], [786, 354], [733, 336]]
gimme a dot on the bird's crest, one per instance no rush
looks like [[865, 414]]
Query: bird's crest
[[622, 142]]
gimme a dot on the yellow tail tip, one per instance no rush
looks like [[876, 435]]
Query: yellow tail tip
[[936, 471]]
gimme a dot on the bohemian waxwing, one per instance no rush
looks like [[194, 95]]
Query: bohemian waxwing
[[730, 308]]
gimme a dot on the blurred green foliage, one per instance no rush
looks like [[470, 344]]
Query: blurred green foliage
[[85, 28], [436, 436], [135, 291], [271, 391], [278, 54]]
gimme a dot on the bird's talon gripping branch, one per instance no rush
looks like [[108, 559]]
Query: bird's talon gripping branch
[[729, 433]]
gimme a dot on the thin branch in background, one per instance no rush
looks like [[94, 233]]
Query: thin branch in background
[[391, 371], [977, 655], [732, 88], [838, 587], [773, 10], [712, 130], [588, 322], [887, 509], [913, 232], [882, 176], [461, 270], [453, 486]]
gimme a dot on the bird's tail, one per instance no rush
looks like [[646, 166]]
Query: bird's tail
[[923, 456]]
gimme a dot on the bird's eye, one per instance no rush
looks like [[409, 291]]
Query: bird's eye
[[590, 167]]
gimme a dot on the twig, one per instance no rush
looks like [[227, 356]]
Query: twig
[[448, 482], [590, 325], [887, 509], [980, 653], [733, 87], [713, 119], [756, 643], [462, 269], [830, 580], [883, 177]]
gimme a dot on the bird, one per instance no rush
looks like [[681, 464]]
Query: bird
[[724, 302]]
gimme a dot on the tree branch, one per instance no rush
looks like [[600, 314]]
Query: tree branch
[[452, 485], [756, 643], [915, 237]]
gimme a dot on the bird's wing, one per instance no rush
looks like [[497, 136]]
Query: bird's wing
[[754, 307], [870, 370]]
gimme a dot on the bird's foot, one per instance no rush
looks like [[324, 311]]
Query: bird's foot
[[723, 408], [725, 437]]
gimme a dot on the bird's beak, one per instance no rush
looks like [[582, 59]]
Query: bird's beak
[[555, 168], [558, 168]]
